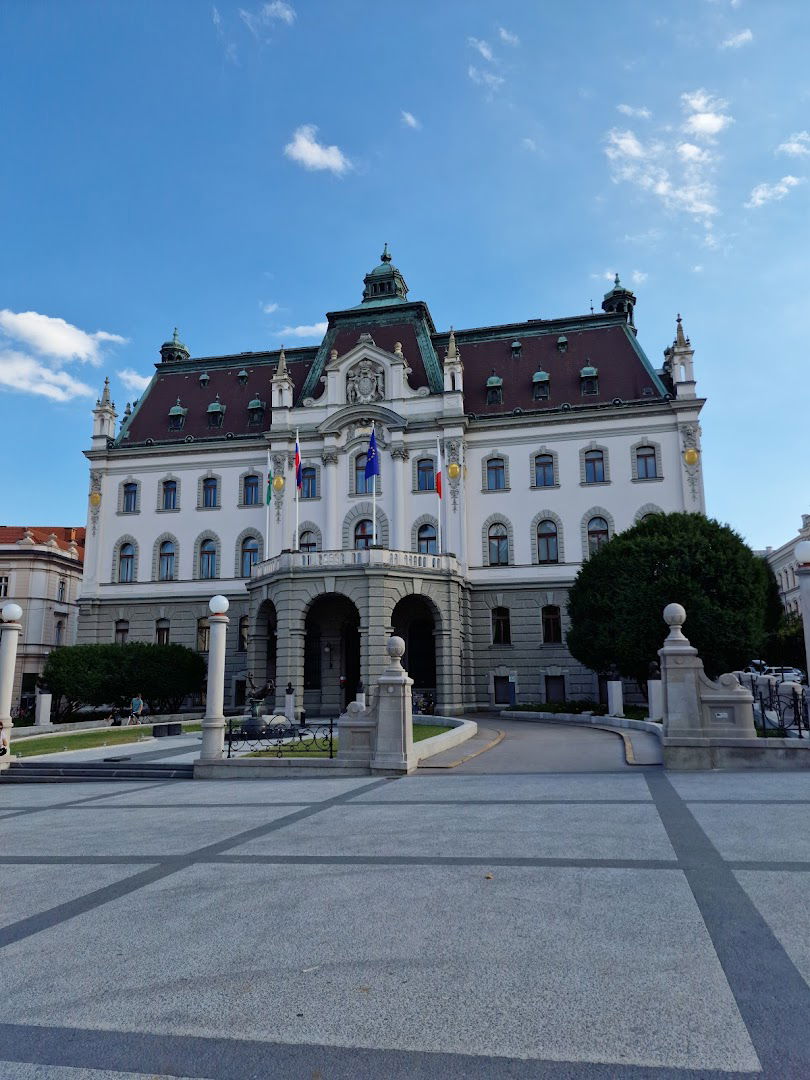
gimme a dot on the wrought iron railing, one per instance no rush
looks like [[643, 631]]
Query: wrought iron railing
[[781, 708], [248, 734]]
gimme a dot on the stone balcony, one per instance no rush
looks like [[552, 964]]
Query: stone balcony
[[375, 558]]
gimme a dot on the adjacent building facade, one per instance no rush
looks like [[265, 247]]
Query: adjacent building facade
[[554, 434], [41, 570], [783, 563]]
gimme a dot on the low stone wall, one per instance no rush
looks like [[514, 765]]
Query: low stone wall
[[36, 730], [693, 754], [460, 731], [587, 719]]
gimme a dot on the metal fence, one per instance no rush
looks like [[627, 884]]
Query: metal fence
[[779, 708], [247, 734]]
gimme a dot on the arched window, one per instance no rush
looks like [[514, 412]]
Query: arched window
[[598, 534], [166, 563], [121, 631], [646, 466], [425, 475], [547, 551], [498, 539], [496, 474], [210, 491], [162, 630], [426, 539], [250, 555], [242, 639], [308, 541], [61, 591], [169, 500], [501, 627], [552, 626], [594, 467], [203, 635], [126, 563], [130, 498], [363, 534], [544, 470], [208, 559], [58, 631], [250, 490], [362, 486], [309, 483]]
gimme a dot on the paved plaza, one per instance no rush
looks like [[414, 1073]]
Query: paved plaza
[[488, 921]]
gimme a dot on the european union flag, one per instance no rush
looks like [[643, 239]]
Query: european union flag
[[372, 458]]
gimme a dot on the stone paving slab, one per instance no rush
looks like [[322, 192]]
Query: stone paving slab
[[782, 899], [26, 890], [761, 832], [33, 795], [455, 787], [752, 784], [552, 963], [15, 1070], [623, 831]]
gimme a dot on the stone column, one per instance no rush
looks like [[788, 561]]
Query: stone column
[[43, 709], [11, 630], [329, 492], [802, 553], [213, 726], [400, 540], [393, 751]]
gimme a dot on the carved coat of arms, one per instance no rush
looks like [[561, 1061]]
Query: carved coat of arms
[[365, 383]]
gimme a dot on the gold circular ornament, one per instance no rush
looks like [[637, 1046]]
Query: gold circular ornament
[[454, 470], [95, 499], [278, 483], [691, 456]]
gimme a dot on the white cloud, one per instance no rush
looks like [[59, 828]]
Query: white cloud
[[507, 37], [279, 10], [697, 269], [482, 47], [216, 18], [765, 193], [133, 381], [605, 275], [55, 338], [734, 41], [268, 309], [307, 151], [638, 277], [528, 144], [409, 120], [706, 117], [266, 15], [316, 330], [641, 111], [798, 145], [484, 78], [18, 371], [691, 153]]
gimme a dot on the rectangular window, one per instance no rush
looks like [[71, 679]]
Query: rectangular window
[[169, 495], [552, 626], [130, 498], [501, 629], [544, 470], [594, 467], [646, 464], [61, 591], [3, 587], [162, 629], [555, 688], [251, 490], [496, 475], [209, 492], [425, 477], [308, 483], [121, 632]]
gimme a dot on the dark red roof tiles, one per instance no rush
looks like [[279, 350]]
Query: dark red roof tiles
[[10, 534], [386, 337]]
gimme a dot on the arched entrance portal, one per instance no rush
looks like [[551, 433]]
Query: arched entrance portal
[[261, 647], [413, 620], [331, 655]]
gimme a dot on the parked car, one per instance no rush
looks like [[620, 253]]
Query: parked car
[[785, 674], [756, 667]]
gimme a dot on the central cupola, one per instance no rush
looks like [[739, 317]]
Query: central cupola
[[384, 284]]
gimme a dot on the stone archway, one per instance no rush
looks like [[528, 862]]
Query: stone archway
[[263, 644], [414, 620], [331, 654]]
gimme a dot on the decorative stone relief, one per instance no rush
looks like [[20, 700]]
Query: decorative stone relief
[[453, 457], [365, 383], [329, 457], [400, 453], [690, 440], [95, 504]]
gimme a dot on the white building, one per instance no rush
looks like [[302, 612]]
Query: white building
[[783, 563], [556, 433]]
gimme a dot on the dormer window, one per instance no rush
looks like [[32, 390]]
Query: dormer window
[[242, 376], [177, 416], [204, 379], [562, 343], [256, 412], [541, 385], [216, 413], [517, 349], [494, 389], [589, 381]]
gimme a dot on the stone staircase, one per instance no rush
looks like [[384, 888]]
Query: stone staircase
[[60, 772]]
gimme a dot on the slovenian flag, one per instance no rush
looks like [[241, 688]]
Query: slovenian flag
[[372, 457], [439, 468], [299, 480]]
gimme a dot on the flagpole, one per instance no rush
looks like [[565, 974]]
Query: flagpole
[[297, 492], [373, 500], [440, 472], [267, 497]]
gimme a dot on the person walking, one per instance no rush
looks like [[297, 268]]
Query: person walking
[[136, 709]]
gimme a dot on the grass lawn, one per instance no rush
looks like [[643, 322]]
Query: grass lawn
[[23, 746], [420, 731]]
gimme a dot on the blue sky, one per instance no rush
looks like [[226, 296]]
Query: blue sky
[[234, 170]]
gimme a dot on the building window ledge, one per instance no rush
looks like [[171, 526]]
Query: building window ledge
[[594, 483], [647, 479]]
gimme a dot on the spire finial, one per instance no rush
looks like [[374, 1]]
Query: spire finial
[[386, 255], [175, 337], [616, 283], [452, 350], [282, 363], [105, 393], [680, 338]]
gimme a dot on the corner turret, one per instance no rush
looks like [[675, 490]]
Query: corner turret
[[384, 284], [171, 352], [453, 367], [104, 417]]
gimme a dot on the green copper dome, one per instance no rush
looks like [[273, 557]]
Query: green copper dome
[[540, 376]]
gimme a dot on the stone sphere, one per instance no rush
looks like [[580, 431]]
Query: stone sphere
[[13, 613], [395, 648], [218, 604], [674, 615], [802, 552]]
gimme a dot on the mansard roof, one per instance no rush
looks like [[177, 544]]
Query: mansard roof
[[63, 536]]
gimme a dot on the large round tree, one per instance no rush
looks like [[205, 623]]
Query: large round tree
[[616, 601]]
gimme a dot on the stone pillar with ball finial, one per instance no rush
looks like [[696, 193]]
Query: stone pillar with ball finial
[[213, 726], [393, 751], [10, 616]]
